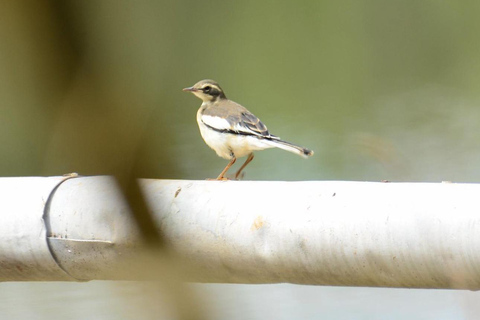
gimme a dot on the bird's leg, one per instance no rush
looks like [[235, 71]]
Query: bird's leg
[[250, 158], [221, 176]]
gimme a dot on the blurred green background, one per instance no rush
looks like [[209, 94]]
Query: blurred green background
[[378, 89]]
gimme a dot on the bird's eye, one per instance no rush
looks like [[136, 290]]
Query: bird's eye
[[207, 89]]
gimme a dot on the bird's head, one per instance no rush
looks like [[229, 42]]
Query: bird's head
[[207, 90]]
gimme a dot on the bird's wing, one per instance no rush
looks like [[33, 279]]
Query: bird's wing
[[249, 123], [235, 119]]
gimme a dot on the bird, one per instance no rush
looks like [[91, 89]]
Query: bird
[[231, 130]]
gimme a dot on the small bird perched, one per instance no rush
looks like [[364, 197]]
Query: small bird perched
[[233, 131]]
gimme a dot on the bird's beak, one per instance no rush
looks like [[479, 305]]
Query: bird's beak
[[190, 89]]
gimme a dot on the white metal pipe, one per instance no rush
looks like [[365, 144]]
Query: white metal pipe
[[24, 251], [92, 234], [416, 235]]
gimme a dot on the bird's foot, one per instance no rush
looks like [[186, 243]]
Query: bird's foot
[[241, 176], [218, 179]]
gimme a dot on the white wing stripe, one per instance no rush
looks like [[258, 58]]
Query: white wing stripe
[[222, 124], [216, 122]]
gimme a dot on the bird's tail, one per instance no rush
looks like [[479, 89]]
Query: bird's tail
[[287, 146]]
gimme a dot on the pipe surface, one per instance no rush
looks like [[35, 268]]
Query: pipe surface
[[24, 251], [409, 235], [92, 233]]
